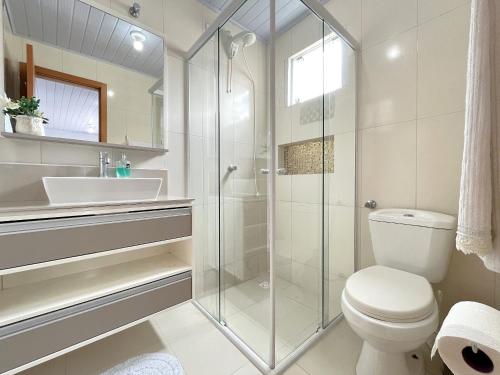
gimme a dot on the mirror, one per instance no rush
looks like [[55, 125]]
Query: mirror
[[95, 77]]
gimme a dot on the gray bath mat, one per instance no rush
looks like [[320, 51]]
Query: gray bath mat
[[148, 364]]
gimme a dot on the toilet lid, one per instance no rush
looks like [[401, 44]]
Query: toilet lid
[[390, 295]]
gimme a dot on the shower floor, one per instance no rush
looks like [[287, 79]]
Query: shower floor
[[245, 309]]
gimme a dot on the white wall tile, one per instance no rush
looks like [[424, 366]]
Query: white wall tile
[[383, 19], [307, 188], [439, 159], [365, 256], [19, 151], [467, 280], [388, 158], [306, 233], [45, 55], [176, 164], [442, 62], [175, 88], [197, 78], [181, 32], [348, 13], [284, 188], [142, 159], [428, 9], [61, 153], [196, 172], [79, 65], [283, 239], [388, 81], [341, 250], [106, 3]]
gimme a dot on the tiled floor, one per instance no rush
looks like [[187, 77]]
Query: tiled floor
[[245, 310], [202, 350], [184, 332]]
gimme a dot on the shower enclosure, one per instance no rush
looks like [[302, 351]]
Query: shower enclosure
[[272, 107]]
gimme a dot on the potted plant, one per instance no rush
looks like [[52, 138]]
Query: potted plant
[[25, 115]]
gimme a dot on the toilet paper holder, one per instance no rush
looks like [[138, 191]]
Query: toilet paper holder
[[477, 359]]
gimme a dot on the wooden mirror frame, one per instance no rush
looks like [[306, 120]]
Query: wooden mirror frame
[[28, 71]]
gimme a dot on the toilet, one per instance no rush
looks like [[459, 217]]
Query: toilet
[[391, 305]]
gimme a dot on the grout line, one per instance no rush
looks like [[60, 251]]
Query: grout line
[[417, 118], [464, 3]]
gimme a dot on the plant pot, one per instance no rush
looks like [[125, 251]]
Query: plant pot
[[13, 123], [29, 125]]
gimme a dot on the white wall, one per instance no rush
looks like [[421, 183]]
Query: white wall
[[411, 119]]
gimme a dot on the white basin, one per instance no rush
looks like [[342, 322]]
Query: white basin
[[88, 190]]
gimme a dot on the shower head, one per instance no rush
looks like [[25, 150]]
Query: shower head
[[233, 44], [245, 39]]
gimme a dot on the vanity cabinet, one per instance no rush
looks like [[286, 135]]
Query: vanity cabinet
[[28, 341], [52, 315], [37, 241]]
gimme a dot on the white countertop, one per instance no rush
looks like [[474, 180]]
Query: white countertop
[[10, 211]]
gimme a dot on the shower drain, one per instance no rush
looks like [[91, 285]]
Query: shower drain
[[264, 285]]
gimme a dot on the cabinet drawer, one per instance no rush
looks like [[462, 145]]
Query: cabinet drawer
[[32, 339], [39, 241]]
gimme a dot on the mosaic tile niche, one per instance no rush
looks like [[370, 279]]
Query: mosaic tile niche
[[306, 157]]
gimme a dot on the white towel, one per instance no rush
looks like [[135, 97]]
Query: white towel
[[479, 210]]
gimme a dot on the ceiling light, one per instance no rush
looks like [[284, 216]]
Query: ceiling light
[[138, 46], [393, 53], [138, 40]]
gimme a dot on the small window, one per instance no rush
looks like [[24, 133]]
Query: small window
[[73, 109], [305, 71]]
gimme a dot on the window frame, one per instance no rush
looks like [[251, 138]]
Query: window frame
[[27, 86], [289, 68]]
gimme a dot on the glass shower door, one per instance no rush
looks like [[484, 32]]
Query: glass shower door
[[299, 190], [244, 168], [204, 174], [339, 108], [272, 134]]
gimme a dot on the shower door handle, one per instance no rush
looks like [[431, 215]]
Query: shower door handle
[[280, 171]]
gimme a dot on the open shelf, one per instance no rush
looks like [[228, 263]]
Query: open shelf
[[31, 300]]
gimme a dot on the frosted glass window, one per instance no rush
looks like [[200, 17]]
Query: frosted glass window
[[305, 71]]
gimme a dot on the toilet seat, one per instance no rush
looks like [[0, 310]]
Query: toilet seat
[[390, 295]]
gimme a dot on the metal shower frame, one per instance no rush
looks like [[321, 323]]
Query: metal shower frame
[[323, 14]]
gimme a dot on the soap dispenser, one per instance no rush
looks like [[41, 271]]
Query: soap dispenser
[[123, 167]]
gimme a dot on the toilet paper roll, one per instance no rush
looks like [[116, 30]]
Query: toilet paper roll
[[469, 339]]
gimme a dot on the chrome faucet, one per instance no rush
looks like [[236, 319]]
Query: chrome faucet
[[104, 162]]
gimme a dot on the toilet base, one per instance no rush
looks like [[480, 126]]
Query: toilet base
[[375, 362]]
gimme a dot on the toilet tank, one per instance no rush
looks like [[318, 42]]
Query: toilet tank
[[415, 241]]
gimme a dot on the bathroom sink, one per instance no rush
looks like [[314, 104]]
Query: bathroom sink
[[88, 190]]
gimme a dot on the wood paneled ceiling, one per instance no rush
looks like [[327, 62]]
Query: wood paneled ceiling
[[254, 14], [79, 27]]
